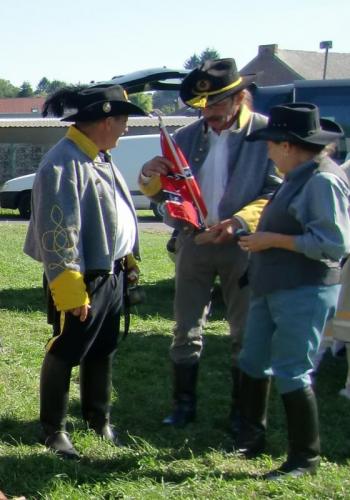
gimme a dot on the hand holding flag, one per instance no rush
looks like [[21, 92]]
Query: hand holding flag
[[184, 200]]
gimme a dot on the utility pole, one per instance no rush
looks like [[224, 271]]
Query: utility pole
[[327, 44]]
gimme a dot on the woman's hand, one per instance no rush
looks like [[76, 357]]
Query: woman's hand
[[263, 240], [256, 242]]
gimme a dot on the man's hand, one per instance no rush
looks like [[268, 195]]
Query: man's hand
[[81, 312], [157, 166], [224, 230], [133, 276]]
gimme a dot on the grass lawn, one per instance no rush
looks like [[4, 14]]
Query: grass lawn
[[156, 462]]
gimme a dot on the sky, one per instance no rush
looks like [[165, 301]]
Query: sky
[[82, 41]]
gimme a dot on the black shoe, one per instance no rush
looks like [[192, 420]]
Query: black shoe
[[184, 413], [253, 398], [250, 441], [291, 469], [184, 396], [60, 443], [107, 432]]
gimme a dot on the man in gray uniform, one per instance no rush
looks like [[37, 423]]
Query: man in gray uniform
[[84, 231], [236, 180]]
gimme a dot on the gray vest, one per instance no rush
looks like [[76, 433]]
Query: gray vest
[[277, 269]]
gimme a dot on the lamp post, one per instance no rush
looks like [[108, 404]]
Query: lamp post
[[328, 44]]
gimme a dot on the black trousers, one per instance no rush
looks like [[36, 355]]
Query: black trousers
[[97, 336]]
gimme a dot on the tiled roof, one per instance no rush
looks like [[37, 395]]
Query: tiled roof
[[274, 66], [21, 105], [142, 121], [310, 65]]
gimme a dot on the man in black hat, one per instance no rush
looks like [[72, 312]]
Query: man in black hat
[[84, 231], [236, 180]]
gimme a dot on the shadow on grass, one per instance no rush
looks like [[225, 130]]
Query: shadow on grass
[[22, 299], [159, 300]]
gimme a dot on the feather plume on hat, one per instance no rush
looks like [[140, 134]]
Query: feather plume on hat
[[90, 103], [61, 100]]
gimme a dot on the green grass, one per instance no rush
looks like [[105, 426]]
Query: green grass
[[156, 463]]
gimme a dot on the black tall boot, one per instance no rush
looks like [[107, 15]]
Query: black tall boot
[[303, 434], [95, 394], [254, 394], [235, 411], [54, 395], [184, 402]]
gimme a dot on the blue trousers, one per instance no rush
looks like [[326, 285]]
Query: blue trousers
[[283, 333]]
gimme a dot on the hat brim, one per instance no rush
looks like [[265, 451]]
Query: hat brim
[[187, 94], [95, 112], [329, 132]]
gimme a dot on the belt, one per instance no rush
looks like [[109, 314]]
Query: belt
[[118, 265]]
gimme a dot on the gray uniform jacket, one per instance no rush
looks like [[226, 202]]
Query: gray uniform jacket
[[74, 224], [250, 174]]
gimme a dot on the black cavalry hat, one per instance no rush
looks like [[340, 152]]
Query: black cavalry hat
[[90, 103], [299, 123], [212, 82]]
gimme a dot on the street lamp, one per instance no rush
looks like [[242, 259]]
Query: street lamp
[[328, 44]]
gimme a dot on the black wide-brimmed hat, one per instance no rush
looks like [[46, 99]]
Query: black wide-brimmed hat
[[212, 82], [299, 123], [90, 103]]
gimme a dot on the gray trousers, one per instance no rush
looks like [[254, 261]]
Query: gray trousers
[[196, 269]]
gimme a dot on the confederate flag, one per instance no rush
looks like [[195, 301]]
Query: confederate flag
[[183, 197]]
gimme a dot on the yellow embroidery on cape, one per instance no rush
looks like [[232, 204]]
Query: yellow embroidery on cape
[[59, 241], [200, 101]]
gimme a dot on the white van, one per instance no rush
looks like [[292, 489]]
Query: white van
[[132, 152]]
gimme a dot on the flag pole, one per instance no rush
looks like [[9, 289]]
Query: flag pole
[[181, 169]]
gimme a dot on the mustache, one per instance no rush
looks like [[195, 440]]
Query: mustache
[[217, 119]]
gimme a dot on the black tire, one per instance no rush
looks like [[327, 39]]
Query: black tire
[[24, 204], [158, 210]]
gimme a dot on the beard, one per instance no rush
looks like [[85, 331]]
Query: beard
[[221, 122]]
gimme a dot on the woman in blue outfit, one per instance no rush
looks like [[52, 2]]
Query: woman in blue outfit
[[303, 233]]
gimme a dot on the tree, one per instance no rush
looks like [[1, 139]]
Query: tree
[[25, 90], [165, 100], [42, 87], [55, 85], [143, 100], [196, 60], [192, 62], [7, 89]]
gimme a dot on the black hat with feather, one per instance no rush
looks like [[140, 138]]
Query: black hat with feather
[[79, 103]]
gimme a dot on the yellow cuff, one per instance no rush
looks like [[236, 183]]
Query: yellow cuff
[[69, 291], [131, 262], [152, 187], [251, 213]]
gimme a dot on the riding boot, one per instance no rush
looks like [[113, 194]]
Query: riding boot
[[254, 393], [184, 396], [95, 395], [235, 412], [303, 435], [54, 395]]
